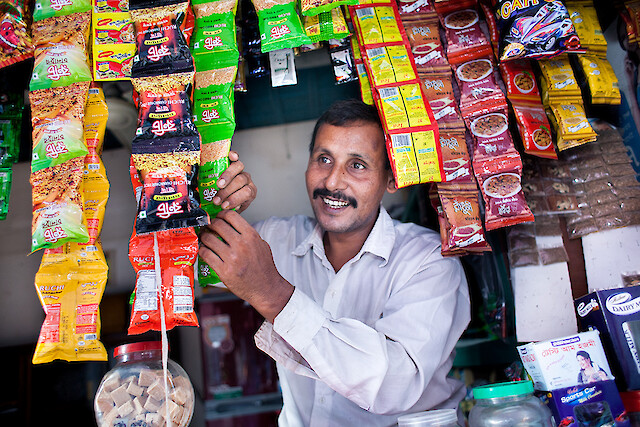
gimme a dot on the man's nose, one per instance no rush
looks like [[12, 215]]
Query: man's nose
[[336, 179]]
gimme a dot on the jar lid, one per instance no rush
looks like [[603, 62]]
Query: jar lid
[[137, 346], [428, 418], [512, 388], [631, 400]]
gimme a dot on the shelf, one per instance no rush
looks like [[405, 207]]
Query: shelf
[[216, 409]]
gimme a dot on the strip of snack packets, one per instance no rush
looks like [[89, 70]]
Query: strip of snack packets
[[17, 45], [280, 25], [410, 127], [113, 40]]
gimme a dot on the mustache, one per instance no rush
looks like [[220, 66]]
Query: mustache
[[338, 195]]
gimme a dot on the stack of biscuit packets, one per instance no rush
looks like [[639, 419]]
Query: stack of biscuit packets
[[113, 40]]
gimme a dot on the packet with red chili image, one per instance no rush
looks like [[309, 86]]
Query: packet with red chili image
[[465, 38], [161, 43], [478, 86], [520, 81], [438, 90], [462, 211], [455, 157], [491, 134], [428, 52], [535, 130], [500, 182], [177, 250]]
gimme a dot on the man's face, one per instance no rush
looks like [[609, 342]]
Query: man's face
[[346, 176]]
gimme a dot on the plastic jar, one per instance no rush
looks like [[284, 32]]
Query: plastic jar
[[133, 393], [508, 405], [434, 418]]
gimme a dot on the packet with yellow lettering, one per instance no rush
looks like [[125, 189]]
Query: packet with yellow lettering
[[70, 283]]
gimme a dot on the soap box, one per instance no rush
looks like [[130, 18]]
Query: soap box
[[615, 313], [594, 404], [565, 362]]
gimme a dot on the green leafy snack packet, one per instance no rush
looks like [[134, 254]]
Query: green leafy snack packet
[[280, 25], [326, 26], [44, 9], [214, 43], [213, 104], [5, 189]]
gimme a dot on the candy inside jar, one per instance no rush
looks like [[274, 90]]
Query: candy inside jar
[[134, 392]]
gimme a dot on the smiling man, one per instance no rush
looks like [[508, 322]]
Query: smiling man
[[362, 312]]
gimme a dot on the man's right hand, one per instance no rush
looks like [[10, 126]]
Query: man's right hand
[[237, 190]]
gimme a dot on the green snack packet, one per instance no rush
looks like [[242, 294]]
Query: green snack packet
[[44, 9], [315, 7], [206, 275], [57, 224], [280, 26], [213, 112], [326, 26], [9, 142], [59, 64], [214, 44], [5, 190], [56, 141]]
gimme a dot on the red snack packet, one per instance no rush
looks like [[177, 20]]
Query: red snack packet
[[499, 180], [462, 211], [492, 25], [178, 250], [438, 90], [428, 53], [416, 9], [535, 131], [465, 38], [455, 157], [520, 81], [478, 87], [491, 135], [445, 6]]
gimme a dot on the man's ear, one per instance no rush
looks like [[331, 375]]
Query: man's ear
[[391, 184]]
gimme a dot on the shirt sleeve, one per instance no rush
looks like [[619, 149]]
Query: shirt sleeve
[[388, 367]]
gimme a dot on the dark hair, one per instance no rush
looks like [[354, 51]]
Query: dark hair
[[346, 113], [583, 354]]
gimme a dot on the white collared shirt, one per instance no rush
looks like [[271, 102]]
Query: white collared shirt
[[362, 346]]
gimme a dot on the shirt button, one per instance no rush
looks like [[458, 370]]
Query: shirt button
[[322, 400], [333, 293]]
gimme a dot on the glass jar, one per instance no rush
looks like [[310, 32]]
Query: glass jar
[[508, 404], [133, 393], [434, 418]]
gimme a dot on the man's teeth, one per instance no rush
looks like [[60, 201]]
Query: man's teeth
[[335, 203]]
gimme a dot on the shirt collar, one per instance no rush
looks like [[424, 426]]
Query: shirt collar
[[379, 242]]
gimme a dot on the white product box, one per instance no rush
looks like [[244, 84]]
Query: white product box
[[566, 362]]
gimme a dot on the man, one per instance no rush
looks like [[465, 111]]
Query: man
[[362, 312]]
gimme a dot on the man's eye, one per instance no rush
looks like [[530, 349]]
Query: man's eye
[[357, 165], [324, 159]]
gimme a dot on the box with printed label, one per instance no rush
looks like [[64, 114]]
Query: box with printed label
[[595, 404], [566, 362], [615, 313]]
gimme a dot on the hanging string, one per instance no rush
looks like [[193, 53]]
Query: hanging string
[[163, 328]]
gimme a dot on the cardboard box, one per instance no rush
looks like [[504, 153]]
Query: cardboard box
[[595, 404], [615, 313], [564, 362]]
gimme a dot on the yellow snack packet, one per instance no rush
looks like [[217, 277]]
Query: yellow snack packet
[[602, 80], [390, 64], [572, 126], [558, 81], [414, 157], [365, 85], [378, 25], [403, 106], [585, 21], [70, 284]]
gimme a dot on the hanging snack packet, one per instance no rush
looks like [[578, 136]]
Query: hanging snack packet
[[44, 9], [164, 114], [479, 90], [462, 211], [491, 134], [15, 44], [535, 29], [572, 127], [499, 180], [177, 251], [428, 53], [361, 69], [215, 34], [415, 157], [326, 26], [465, 38], [414, 10], [161, 44], [520, 81], [535, 131], [60, 54], [438, 90], [104, 6], [601, 80], [70, 283], [10, 130], [213, 99], [558, 83], [315, 7], [344, 69], [389, 64], [456, 162], [492, 26], [585, 21], [403, 106], [280, 25], [5, 191], [377, 25]]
